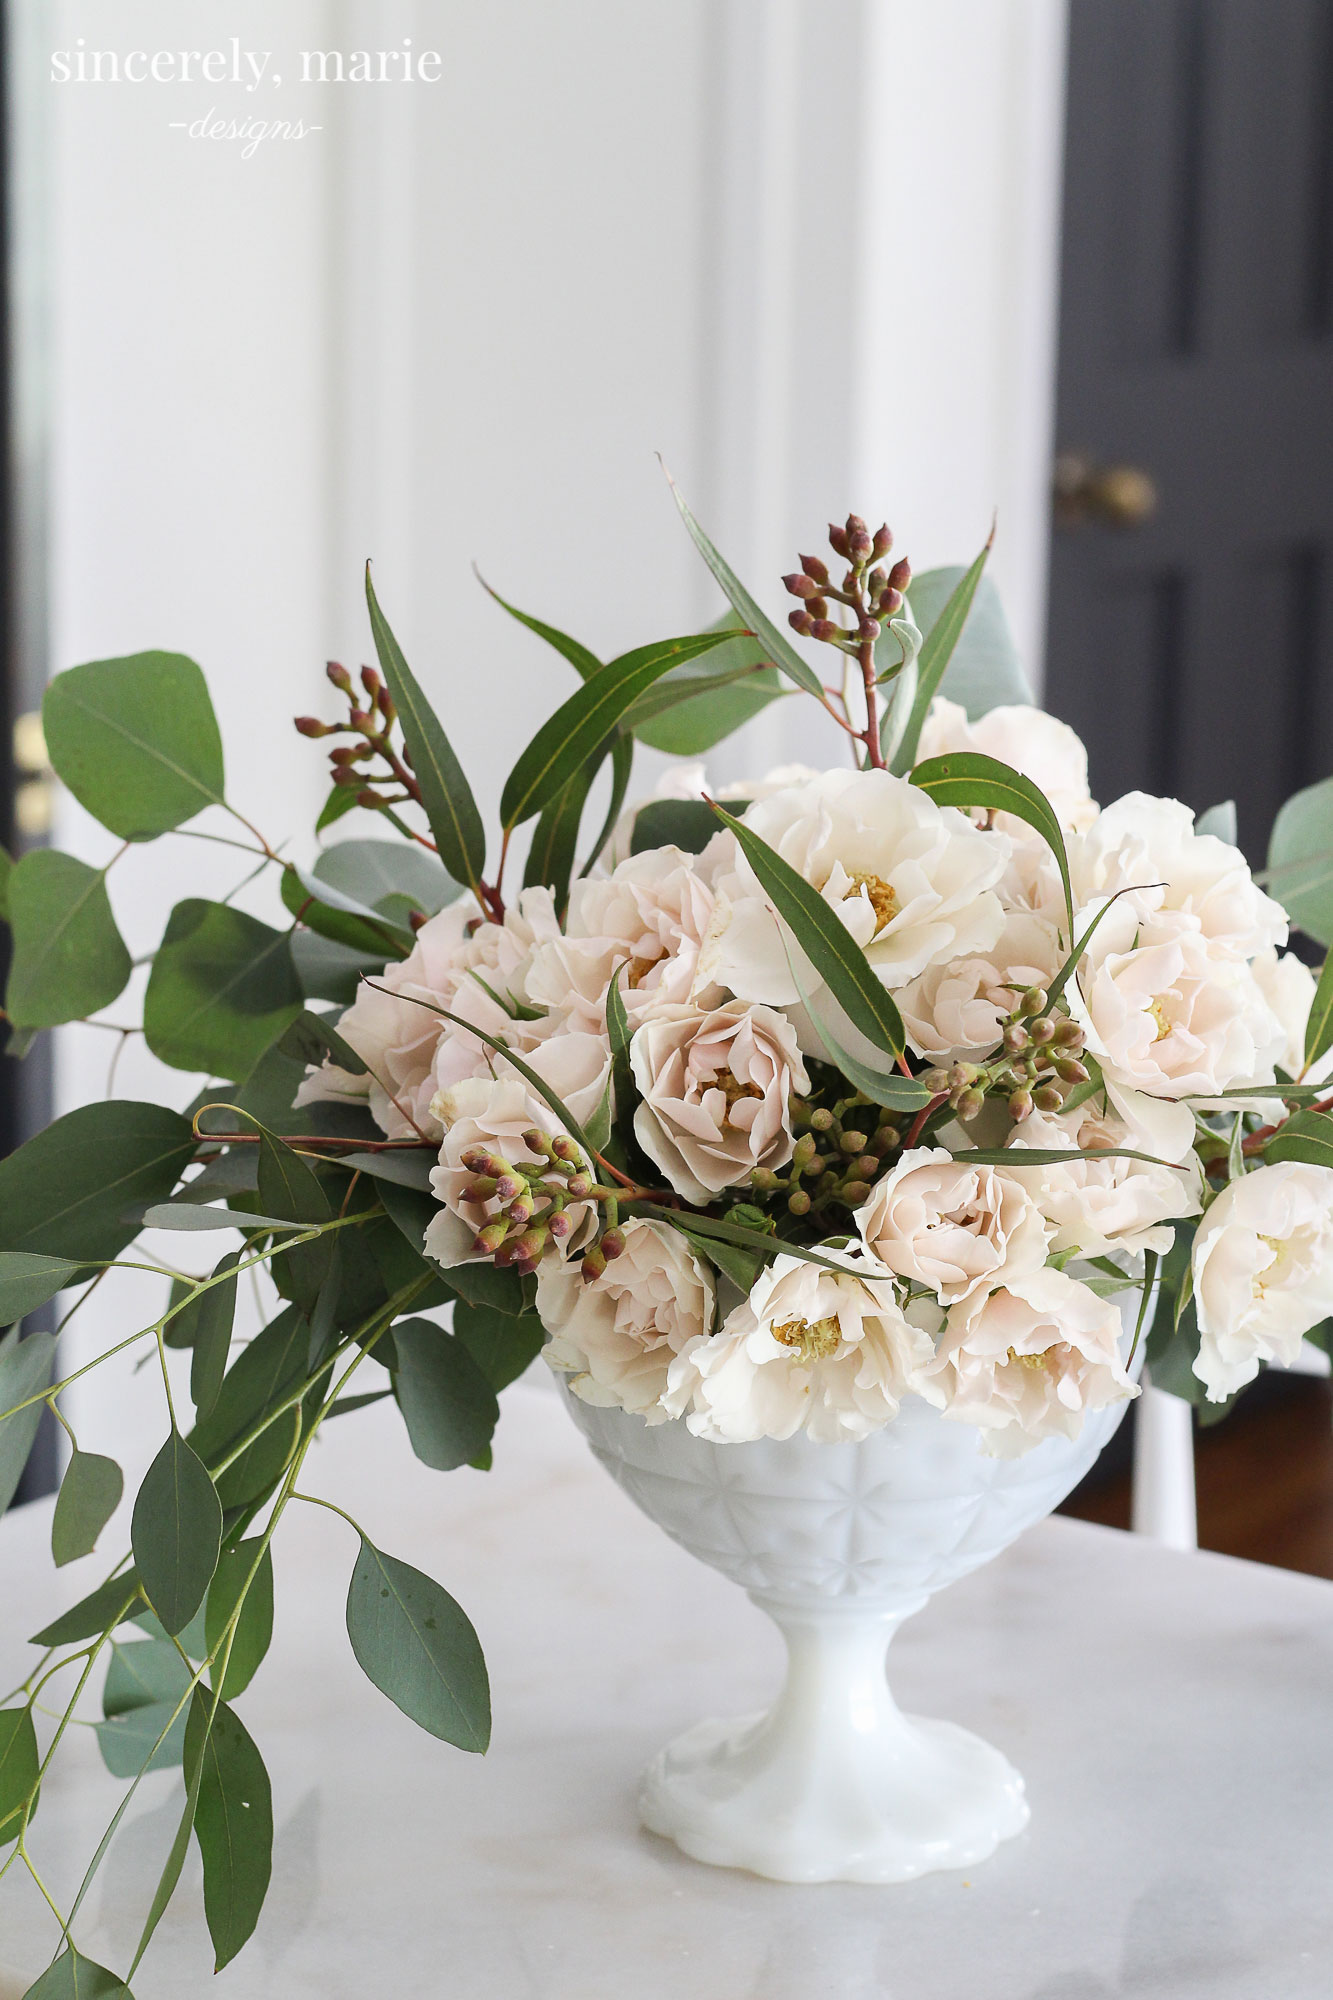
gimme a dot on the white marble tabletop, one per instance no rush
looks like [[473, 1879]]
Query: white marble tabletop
[[1173, 1716]]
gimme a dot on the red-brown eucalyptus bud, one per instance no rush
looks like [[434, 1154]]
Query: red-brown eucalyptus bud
[[838, 540], [802, 622], [800, 585], [883, 540], [339, 676], [816, 570], [310, 725]]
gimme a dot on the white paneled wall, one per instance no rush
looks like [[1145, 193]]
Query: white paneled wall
[[805, 251]]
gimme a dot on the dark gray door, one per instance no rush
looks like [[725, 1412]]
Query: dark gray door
[[1191, 641]]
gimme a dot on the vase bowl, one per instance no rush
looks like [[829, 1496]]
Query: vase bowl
[[838, 1543]]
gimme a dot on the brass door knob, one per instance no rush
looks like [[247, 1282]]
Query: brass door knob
[[33, 793], [1118, 496]]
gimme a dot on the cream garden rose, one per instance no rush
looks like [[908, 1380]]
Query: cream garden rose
[[1262, 1265], [615, 1337], [951, 1227], [1027, 739], [459, 960], [829, 1352], [716, 1093], [649, 915], [1100, 1206], [1169, 1015], [957, 1009], [1028, 1361], [1150, 845], [913, 882]]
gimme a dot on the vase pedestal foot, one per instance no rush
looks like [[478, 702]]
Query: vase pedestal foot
[[833, 1784]]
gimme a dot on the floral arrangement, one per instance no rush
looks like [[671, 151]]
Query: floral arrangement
[[924, 1076]]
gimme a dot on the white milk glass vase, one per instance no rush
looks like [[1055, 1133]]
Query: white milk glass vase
[[839, 1543]]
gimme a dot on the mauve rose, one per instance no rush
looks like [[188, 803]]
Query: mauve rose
[[717, 1091], [952, 1227], [615, 1336]]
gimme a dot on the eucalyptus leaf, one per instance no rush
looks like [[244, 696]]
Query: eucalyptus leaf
[[1308, 1136], [1300, 860], [288, 1187], [445, 792], [254, 1626], [263, 1375], [136, 741], [28, 1281], [1319, 1026], [968, 778], [74, 1977], [1220, 821], [501, 1345], [69, 1190], [111, 1604], [688, 824], [222, 988], [376, 871], [233, 1823], [214, 1313], [176, 1533], [25, 1370], [19, 1763], [142, 1673], [779, 650], [825, 940], [341, 919], [550, 862], [147, 1737], [622, 763], [696, 706], [570, 736], [418, 1647], [69, 959], [448, 1405], [328, 970], [984, 670], [312, 1039], [189, 1215], [406, 1166], [90, 1493], [584, 663], [710, 1230]]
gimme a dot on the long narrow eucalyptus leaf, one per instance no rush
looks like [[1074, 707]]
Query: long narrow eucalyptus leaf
[[825, 940], [704, 1226], [937, 649], [571, 735], [584, 663], [1319, 1027], [969, 778], [622, 763], [445, 792], [783, 655]]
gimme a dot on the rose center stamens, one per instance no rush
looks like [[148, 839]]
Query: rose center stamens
[[881, 897], [1157, 1008], [733, 1090], [812, 1341], [1029, 1360], [639, 968]]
